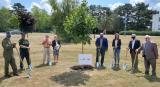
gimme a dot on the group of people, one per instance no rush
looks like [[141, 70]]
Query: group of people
[[24, 48], [56, 45], [149, 52]]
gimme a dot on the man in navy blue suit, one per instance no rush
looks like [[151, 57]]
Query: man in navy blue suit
[[101, 48]]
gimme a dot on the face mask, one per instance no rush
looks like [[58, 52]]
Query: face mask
[[133, 38], [8, 35]]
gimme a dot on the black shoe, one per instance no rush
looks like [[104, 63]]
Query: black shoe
[[153, 77], [7, 76], [117, 66], [114, 67], [146, 73], [132, 71], [21, 69], [16, 74], [103, 67]]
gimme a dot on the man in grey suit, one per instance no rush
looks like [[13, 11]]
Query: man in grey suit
[[150, 54]]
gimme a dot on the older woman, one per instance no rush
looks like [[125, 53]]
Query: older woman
[[56, 46], [116, 44]]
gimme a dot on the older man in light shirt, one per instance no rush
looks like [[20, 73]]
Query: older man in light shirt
[[46, 53], [150, 54]]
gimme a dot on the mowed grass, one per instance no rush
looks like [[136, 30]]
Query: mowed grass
[[61, 75]]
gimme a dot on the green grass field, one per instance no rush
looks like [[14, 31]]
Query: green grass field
[[61, 75]]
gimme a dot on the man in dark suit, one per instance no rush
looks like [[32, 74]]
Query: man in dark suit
[[101, 48], [150, 54], [134, 44]]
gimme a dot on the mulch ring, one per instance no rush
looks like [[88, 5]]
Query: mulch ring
[[82, 67]]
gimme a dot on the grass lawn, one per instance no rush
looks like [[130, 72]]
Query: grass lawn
[[61, 75]]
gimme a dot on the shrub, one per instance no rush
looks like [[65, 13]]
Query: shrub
[[140, 33]]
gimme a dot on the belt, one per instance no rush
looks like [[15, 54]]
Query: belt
[[46, 47]]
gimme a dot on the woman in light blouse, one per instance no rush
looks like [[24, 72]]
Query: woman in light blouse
[[116, 44]]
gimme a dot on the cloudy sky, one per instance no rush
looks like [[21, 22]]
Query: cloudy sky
[[43, 4]]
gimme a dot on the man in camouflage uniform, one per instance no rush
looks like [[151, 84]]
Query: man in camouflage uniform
[[8, 55]]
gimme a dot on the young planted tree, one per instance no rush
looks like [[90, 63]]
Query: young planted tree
[[80, 24]]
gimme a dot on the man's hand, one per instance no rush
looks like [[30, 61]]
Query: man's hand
[[137, 50], [22, 46], [98, 46], [45, 41], [14, 45], [28, 48], [127, 49]]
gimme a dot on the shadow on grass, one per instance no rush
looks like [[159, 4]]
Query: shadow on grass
[[44, 65], [138, 71], [2, 78], [72, 78], [151, 80], [100, 68], [20, 71], [116, 69], [41, 65]]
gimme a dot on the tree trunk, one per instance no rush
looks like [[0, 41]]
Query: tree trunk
[[82, 47]]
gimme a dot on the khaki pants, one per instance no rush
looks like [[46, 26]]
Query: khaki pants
[[134, 61], [46, 55], [10, 60]]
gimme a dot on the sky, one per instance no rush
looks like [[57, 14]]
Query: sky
[[43, 4]]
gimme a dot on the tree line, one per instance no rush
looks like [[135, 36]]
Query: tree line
[[137, 17], [13, 19]]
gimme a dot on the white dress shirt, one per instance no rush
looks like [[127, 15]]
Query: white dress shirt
[[116, 42], [133, 42], [101, 42]]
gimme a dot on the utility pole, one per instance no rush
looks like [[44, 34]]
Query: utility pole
[[125, 24]]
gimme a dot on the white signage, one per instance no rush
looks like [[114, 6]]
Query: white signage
[[85, 59]]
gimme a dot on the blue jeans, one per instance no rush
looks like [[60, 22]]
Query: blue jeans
[[116, 55], [100, 52]]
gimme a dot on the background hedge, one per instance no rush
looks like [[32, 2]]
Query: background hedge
[[140, 33]]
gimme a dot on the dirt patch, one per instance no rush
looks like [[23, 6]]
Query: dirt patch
[[72, 78]]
